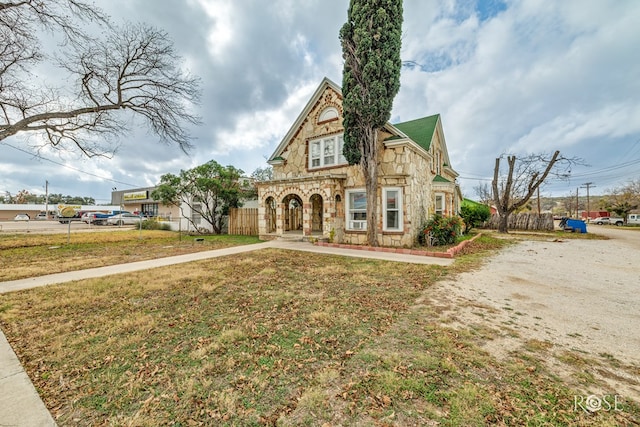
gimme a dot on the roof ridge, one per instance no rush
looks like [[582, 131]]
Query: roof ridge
[[415, 120]]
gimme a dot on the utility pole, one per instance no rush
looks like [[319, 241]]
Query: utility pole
[[588, 185], [577, 204], [46, 197]]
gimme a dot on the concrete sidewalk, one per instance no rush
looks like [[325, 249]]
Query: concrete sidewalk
[[20, 404], [50, 279]]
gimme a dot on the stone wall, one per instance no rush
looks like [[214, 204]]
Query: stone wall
[[296, 153], [402, 165]]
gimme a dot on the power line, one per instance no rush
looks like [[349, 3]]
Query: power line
[[615, 172], [588, 185], [39, 156]]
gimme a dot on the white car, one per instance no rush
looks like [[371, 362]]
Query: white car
[[602, 220], [123, 219], [88, 217], [22, 217]]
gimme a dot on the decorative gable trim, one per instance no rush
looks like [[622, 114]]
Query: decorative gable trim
[[304, 115], [329, 110]]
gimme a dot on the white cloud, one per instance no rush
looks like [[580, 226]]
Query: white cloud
[[220, 31], [537, 74], [259, 129]]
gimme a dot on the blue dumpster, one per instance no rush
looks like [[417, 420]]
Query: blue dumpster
[[576, 225]]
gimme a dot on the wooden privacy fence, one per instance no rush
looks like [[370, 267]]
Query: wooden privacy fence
[[243, 221], [524, 221]]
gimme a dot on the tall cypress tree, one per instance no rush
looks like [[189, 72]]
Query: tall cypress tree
[[371, 40]]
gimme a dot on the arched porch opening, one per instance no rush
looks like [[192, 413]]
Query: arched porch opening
[[292, 215], [270, 214]]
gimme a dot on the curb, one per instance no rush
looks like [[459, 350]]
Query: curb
[[450, 253]]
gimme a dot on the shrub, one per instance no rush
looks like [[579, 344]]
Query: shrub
[[153, 224], [474, 215], [440, 231]]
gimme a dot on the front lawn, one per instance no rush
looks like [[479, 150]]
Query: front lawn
[[273, 338], [23, 256]]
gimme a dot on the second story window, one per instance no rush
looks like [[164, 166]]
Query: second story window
[[326, 152]]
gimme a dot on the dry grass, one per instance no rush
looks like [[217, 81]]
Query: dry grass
[[275, 338], [23, 256]]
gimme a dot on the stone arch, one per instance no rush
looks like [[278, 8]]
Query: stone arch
[[328, 111], [287, 191], [292, 212], [270, 213]]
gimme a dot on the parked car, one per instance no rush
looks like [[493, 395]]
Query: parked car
[[64, 220], [88, 217], [602, 220], [633, 219], [42, 216], [123, 219], [22, 217], [101, 217], [63, 217]]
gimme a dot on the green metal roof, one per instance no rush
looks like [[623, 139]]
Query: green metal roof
[[439, 178], [470, 202], [419, 130]]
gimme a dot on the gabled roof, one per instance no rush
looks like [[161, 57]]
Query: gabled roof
[[420, 130], [470, 202], [303, 115], [440, 178]]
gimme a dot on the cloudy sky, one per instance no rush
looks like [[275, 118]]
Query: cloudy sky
[[506, 76]]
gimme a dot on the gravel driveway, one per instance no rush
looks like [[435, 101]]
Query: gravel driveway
[[581, 296]]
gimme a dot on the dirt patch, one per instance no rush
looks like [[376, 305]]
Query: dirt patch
[[578, 297]]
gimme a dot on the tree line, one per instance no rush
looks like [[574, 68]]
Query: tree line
[[24, 197]]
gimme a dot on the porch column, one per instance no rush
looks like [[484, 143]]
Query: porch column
[[307, 225], [280, 213]]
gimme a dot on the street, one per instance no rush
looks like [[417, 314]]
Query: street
[[574, 295], [50, 227]]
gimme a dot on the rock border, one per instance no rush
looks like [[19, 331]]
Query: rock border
[[450, 253]]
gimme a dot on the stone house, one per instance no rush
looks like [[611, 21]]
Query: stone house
[[314, 192]]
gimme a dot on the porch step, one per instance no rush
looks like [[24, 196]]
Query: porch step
[[291, 238], [315, 239]]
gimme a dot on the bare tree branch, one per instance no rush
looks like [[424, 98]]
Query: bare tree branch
[[524, 176], [133, 69]]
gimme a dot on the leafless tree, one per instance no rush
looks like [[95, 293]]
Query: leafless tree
[[133, 69], [568, 203], [622, 200], [483, 191], [524, 176]]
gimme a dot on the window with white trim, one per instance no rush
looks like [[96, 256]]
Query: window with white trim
[[326, 152], [356, 209], [439, 204], [392, 209]]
